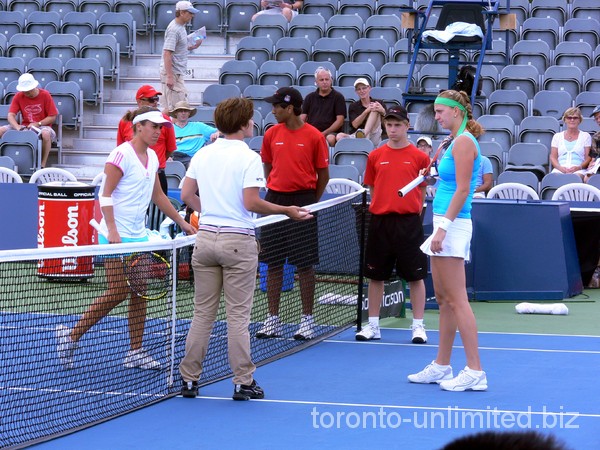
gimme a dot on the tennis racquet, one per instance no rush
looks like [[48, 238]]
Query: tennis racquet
[[148, 274], [417, 181]]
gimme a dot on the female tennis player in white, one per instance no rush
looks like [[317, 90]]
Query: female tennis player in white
[[130, 182], [449, 245]]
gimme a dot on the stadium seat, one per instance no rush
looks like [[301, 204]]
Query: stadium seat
[[240, 73], [354, 152], [255, 143], [333, 49], [524, 177], [594, 180], [257, 93], [362, 8], [306, 72], [62, 7], [104, 48], [541, 28], [11, 69], [79, 23], [210, 15], [62, 46], [122, 26], [513, 103], [140, 11], [295, 49], [43, 23], [587, 102], [24, 148], [538, 129], [495, 55], [349, 94], [12, 22], [592, 79], [88, 74], [395, 74], [532, 52], [553, 181], [385, 27], [371, 50], [571, 53], [433, 77], [348, 172], [25, 46], [162, 12], [489, 76], [496, 155], [533, 157], [348, 73], [391, 7], [400, 52], [45, 70], [268, 121], [257, 49], [216, 93], [68, 99], [9, 91], [514, 191], [238, 14], [205, 114], [585, 9], [563, 78], [348, 27], [278, 73], [2, 45], [391, 96], [25, 6], [582, 30], [98, 7], [522, 77], [273, 26], [325, 8], [310, 26], [551, 103], [500, 129], [557, 9], [175, 173]]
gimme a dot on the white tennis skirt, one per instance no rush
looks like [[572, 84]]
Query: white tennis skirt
[[457, 242]]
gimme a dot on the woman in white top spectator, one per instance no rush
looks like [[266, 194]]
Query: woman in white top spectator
[[570, 149]]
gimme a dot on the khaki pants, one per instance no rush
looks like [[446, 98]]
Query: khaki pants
[[222, 262], [177, 94]]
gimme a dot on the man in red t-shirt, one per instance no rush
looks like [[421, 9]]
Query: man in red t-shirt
[[166, 144], [296, 162], [38, 112], [395, 230]]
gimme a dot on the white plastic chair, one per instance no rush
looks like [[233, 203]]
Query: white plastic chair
[[342, 186], [577, 192], [9, 176], [50, 174], [516, 191], [98, 179]]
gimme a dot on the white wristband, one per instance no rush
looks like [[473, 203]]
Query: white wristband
[[105, 201], [444, 223]]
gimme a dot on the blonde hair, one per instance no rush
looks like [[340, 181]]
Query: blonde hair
[[573, 111], [462, 97]]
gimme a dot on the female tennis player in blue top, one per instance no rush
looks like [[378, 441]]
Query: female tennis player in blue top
[[130, 182], [449, 245]]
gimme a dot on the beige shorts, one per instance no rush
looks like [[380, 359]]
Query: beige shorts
[[177, 94]]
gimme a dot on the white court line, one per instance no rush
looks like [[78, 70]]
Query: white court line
[[506, 333], [81, 391], [516, 349], [410, 407]]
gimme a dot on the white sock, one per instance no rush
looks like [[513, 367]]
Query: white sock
[[474, 372], [440, 366], [417, 322], [374, 322]]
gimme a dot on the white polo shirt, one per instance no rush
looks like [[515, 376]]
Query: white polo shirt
[[133, 193], [222, 170]]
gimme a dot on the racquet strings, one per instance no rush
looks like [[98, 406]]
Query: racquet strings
[[148, 274]]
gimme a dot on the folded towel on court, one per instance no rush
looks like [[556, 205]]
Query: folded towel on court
[[542, 308], [336, 299]]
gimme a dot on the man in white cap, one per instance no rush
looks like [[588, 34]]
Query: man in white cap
[[425, 144], [38, 112], [365, 114], [173, 64]]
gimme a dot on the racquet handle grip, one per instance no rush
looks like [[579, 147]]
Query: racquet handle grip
[[94, 223], [410, 186]]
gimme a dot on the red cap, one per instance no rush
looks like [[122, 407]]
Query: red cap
[[146, 91]]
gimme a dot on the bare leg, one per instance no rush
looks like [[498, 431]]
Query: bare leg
[[455, 311], [417, 298], [274, 284], [46, 145], [375, 294], [137, 321], [307, 288]]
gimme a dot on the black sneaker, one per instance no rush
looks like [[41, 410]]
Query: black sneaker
[[189, 389], [243, 392]]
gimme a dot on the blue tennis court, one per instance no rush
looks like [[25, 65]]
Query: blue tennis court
[[341, 393]]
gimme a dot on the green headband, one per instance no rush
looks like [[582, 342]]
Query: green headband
[[454, 104]]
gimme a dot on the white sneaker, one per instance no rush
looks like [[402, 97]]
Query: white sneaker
[[433, 373], [305, 331], [368, 333], [418, 334], [466, 381], [139, 359], [66, 347], [270, 329]]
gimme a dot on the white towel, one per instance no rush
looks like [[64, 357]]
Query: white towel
[[542, 308]]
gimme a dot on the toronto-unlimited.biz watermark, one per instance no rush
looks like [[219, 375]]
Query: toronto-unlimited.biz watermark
[[452, 417]]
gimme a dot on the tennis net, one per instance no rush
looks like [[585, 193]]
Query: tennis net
[[45, 291]]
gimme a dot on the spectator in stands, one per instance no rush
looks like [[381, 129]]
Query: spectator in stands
[[506, 440], [223, 183], [38, 112], [288, 10], [424, 143], [325, 108], [396, 230], [570, 149], [449, 245], [176, 47], [295, 159], [595, 150], [485, 178], [148, 96], [365, 114], [129, 184], [190, 136]]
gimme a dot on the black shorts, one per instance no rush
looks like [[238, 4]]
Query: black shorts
[[296, 241], [394, 241]]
